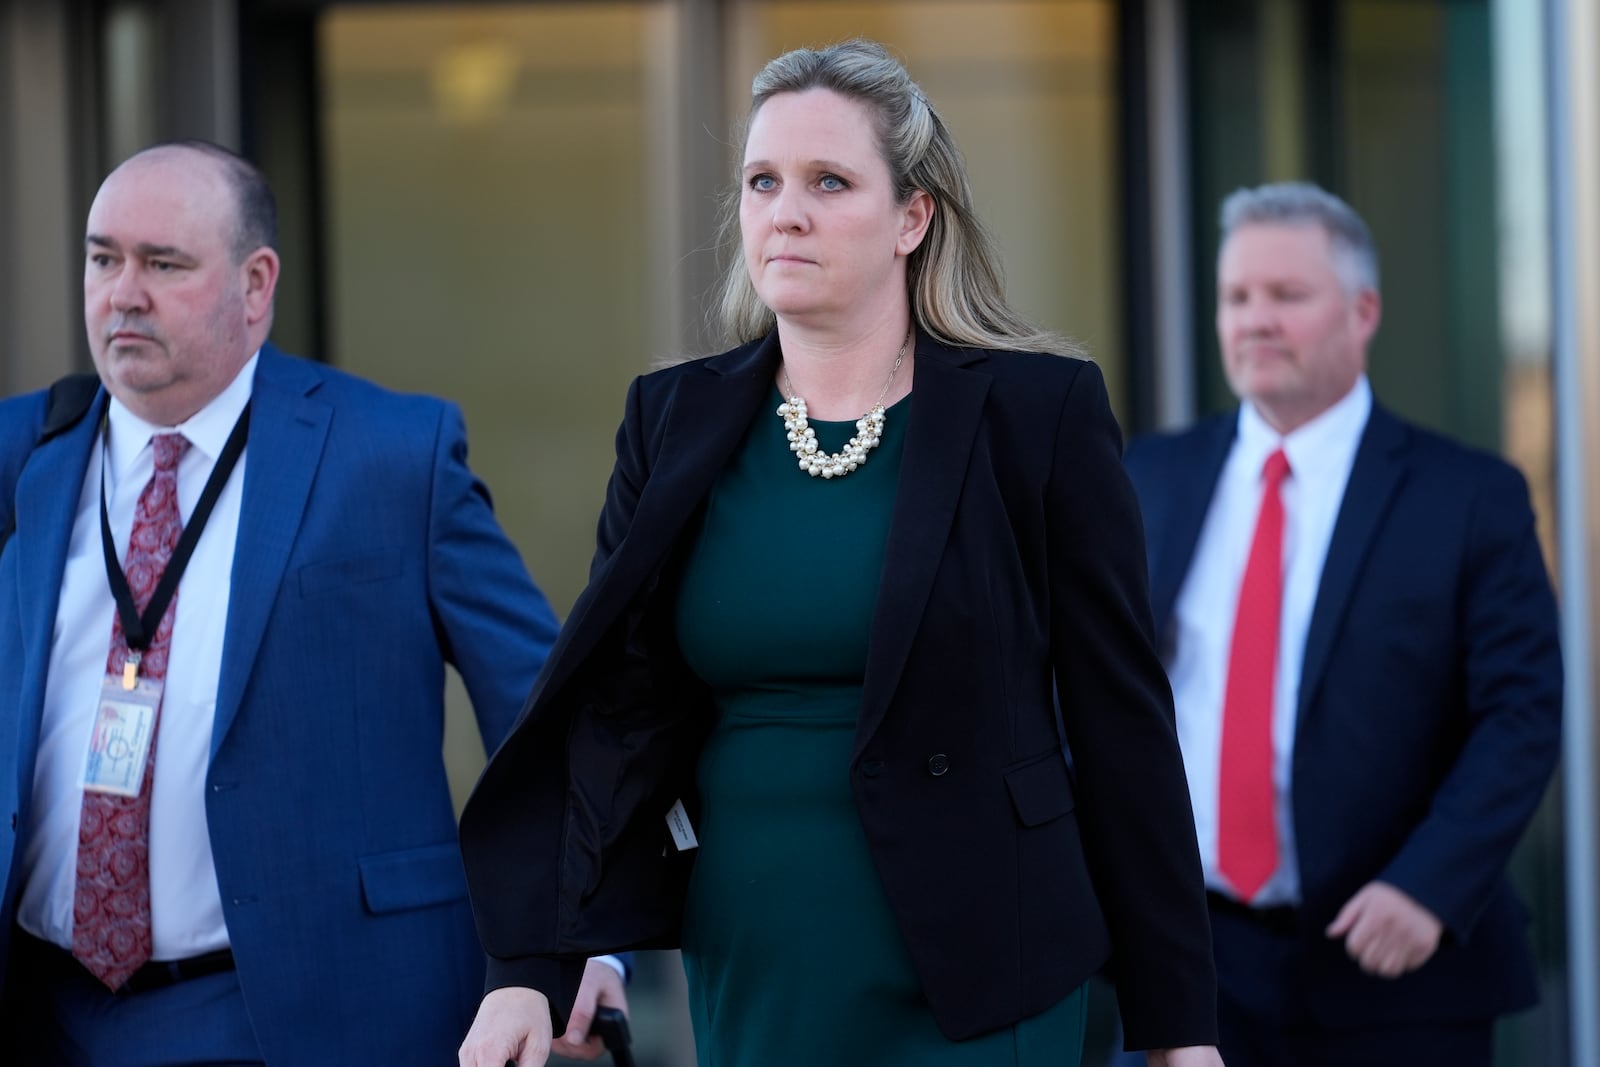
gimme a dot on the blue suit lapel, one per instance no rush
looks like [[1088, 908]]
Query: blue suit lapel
[[945, 413], [1377, 474], [1187, 493], [47, 502], [288, 428]]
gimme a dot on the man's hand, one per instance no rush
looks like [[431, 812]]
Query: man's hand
[[1386, 932], [513, 1025], [601, 987], [1188, 1056]]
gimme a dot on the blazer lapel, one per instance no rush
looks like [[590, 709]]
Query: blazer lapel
[[710, 414], [1378, 472], [1189, 499], [945, 412], [288, 428], [711, 409]]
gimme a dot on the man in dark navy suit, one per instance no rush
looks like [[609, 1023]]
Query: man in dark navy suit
[[1362, 642]]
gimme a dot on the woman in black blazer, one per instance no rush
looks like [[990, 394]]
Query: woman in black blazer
[[806, 720]]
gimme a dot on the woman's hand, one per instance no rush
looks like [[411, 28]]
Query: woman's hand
[[513, 1025], [601, 988], [1188, 1056]]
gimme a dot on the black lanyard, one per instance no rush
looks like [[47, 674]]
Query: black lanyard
[[141, 630]]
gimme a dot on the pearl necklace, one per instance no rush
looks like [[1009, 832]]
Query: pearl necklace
[[803, 439]]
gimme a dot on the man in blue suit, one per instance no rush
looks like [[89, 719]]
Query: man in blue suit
[[277, 878], [1362, 643]]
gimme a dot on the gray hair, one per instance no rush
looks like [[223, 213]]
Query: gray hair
[[954, 279], [1304, 204]]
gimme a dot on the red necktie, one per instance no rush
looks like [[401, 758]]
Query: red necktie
[[1247, 835], [111, 907]]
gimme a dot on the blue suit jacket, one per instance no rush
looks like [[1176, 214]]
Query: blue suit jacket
[[367, 558], [1429, 714]]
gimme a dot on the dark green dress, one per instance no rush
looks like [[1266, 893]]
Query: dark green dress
[[790, 948]]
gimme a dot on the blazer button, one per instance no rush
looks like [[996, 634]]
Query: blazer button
[[938, 764]]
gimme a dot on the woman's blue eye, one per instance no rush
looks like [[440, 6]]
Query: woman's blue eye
[[762, 183], [832, 183]]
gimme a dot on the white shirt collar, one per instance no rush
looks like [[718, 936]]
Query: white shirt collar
[[206, 430], [1314, 447]]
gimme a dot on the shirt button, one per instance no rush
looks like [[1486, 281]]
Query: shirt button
[[938, 764]]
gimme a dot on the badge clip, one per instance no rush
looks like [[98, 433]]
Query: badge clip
[[130, 670]]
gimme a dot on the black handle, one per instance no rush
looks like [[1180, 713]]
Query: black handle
[[612, 1026]]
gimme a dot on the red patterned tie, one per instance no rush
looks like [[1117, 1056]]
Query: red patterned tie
[[111, 908], [1247, 835]]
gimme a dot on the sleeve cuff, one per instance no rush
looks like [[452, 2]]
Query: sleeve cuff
[[556, 979]]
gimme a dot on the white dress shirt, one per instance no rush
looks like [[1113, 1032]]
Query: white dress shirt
[[1320, 454], [185, 905]]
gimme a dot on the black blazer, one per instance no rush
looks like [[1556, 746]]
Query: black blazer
[[1429, 714], [1015, 567]]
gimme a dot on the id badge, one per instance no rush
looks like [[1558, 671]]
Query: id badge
[[119, 745]]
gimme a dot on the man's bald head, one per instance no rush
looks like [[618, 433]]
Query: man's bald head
[[255, 208]]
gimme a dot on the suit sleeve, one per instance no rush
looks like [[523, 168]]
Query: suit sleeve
[[1510, 669], [494, 624], [1116, 705], [626, 483], [21, 419], [513, 892]]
